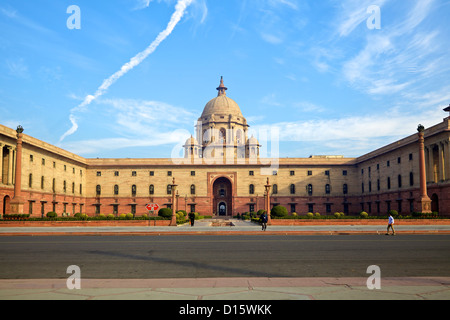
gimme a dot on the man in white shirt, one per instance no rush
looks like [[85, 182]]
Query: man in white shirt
[[391, 225]]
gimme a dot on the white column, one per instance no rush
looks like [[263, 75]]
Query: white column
[[441, 173], [431, 163], [1, 163], [447, 159], [10, 165]]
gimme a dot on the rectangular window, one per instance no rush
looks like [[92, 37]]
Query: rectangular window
[[43, 161], [192, 207], [327, 172], [251, 173], [152, 173], [192, 173], [169, 173], [99, 173], [31, 158], [309, 173], [311, 208], [116, 173], [293, 207], [292, 174], [133, 173], [328, 208], [344, 172]]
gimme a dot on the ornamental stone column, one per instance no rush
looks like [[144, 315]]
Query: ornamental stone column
[[173, 222], [17, 202], [424, 200]]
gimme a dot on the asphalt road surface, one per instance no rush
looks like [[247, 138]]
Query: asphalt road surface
[[158, 257]]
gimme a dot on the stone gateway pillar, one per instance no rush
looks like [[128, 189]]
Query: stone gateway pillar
[[424, 201], [17, 202]]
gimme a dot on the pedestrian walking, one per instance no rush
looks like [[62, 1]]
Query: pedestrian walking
[[390, 225], [263, 219], [192, 218]]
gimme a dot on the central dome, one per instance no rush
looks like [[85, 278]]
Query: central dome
[[222, 105]]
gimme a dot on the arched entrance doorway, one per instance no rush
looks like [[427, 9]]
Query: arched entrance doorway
[[434, 203], [222, 197], [6, 205], [222, 209]]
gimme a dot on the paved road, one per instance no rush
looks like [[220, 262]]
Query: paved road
[[127, 257]]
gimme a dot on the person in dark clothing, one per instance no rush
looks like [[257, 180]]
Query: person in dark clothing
[[263, 220], [192, 218]]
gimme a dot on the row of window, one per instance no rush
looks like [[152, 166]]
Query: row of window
[[292, 173], [54, 165], [30, 184], [151, 190], [251, 173], [134, 173], [388, 183], [292, 188], [309, 189], [388, 164]]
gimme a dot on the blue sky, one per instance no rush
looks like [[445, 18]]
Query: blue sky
[[313, 70]]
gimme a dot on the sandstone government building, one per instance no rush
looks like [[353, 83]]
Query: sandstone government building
[[409, 175]]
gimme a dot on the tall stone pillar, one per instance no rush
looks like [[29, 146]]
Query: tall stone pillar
[[267, 202], [424, 200], [173, 222], [17, 202]]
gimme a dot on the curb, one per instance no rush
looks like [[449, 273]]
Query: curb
[[224, 233]]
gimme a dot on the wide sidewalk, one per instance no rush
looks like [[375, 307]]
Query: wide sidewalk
[[238, 227], [227, 289]]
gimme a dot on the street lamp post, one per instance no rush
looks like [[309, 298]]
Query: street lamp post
[[267, 201]]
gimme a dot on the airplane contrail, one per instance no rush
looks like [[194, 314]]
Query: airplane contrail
[[180, 9]]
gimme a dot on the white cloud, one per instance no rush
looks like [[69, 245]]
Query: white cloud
[[270, 38], [180, 9], [18, 68], [353, 135]]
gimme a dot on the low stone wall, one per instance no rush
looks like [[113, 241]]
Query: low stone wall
[[94, 223], [357, 222]]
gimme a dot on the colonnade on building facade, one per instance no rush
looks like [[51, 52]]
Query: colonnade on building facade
[[7, 164], [437, 159]]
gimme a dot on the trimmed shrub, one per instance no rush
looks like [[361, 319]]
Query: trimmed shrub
[[317, 215], [310, 215], [363, 215], [52, 215], [110, 216], [279, 212], [165, 212], [339, 215], [101, 216], [129, 216]]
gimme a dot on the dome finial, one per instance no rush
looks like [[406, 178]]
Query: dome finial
[[222, 89]]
